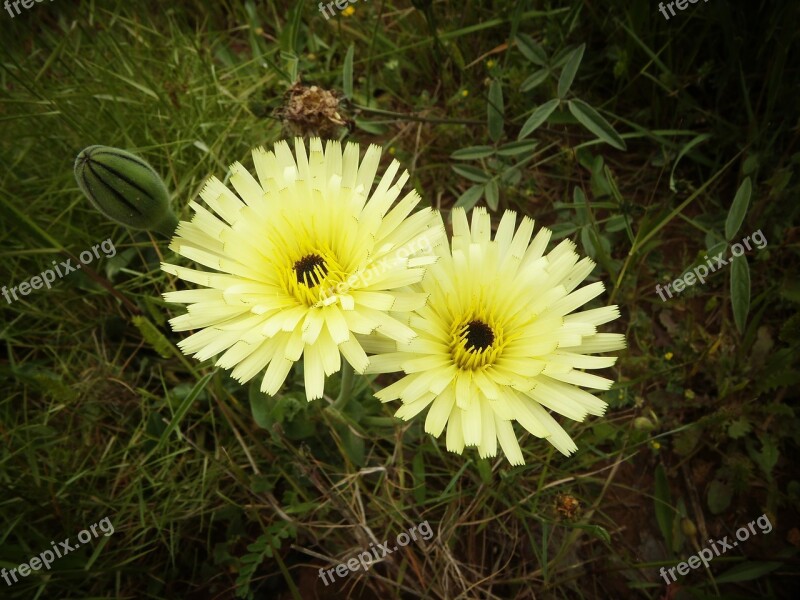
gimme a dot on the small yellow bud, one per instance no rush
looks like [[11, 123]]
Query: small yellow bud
[[688, 527]]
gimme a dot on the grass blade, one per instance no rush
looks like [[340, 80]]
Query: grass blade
[[740, 291]]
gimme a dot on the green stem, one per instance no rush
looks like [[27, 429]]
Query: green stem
[[379, 421], [346, 391]]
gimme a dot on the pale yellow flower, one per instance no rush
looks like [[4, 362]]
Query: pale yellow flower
[[303, 258], [499, 340]]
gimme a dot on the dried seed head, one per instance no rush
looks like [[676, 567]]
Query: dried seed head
[[312, 111]]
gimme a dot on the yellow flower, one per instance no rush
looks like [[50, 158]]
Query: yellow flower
[[499, 341], [304, 258], [349, 10], [490, 63], [668, 356], [464, 93]]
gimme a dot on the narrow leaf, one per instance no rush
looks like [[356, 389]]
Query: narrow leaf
[[534, 80], [495, 110], [539, 116], [748, 570], [719, 496], [684, 151], [591, 119], [738, 209], [492, 194], [664, 511], [472, 152], [347, 72], [517, 148], [740, 291], [471, 173], [531, 50], [260, 405], [570, 70], [581, 206], [469, 198]]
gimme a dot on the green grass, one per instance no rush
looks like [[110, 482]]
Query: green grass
[[103, 417]]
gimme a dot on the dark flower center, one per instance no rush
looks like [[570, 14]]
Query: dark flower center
[[310, 269], [479, 335]]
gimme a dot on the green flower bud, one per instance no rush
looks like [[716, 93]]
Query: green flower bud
[[125, 188], [643, 424]]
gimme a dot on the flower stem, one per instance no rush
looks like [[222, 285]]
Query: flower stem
[[346, 390], [379, 421]]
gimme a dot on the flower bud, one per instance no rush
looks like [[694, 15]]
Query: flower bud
[[125, 188], [688, 527]]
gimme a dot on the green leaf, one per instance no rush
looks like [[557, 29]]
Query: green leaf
[[538, 117], [570, 70], [517, 148], [738, 209], [768, 457], [153, 336], [685, 150], [601, 533], [292, 64], [472, 152], [492, 192], [748, 570], [369, 127], [484, 470], [740, 291], [534, 80], [469, 198], [560, 59], [665, 514], [471, 173], [719, 496], [531, 50], [260, 405], [716, 249], [511, 176], [591, 119], [347, 72], [581, 206], [495, 110], [739, 428], [353, 446]]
